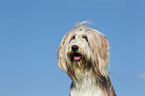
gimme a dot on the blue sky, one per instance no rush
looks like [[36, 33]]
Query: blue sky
[[31, 30]]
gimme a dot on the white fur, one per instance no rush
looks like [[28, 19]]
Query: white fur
[[86, 87], [89, 74]]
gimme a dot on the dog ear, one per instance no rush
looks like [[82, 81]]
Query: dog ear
[[101, 52], [61, 61], [104, 54]]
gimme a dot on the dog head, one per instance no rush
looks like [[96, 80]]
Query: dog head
[[82, 49]]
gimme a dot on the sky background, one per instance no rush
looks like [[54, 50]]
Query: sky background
[[31, 30]]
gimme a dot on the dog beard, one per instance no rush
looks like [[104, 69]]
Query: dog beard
[[79, 65]]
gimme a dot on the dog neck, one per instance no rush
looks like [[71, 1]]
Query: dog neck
[[85, 82], [86, 86]]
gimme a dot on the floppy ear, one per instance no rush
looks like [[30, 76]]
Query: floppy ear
[[101, 52], [61, 56]]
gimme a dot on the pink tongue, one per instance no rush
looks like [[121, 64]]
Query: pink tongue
[[77, 57]]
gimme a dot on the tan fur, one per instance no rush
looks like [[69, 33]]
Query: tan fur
[[93, 68]]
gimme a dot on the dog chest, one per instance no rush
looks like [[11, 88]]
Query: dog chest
[[86, 92]]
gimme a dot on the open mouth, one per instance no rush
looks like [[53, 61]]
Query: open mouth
[[76, 56]]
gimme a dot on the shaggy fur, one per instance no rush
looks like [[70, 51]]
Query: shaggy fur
[[84, 55]]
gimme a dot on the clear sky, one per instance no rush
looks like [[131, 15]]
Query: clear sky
[[31, 30]]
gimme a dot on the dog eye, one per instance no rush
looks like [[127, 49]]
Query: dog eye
[[73, 37], [85, 37]]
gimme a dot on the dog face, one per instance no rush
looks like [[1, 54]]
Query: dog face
[[83, 49], [78, 48]]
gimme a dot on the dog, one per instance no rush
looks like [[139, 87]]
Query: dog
[[83, 54]]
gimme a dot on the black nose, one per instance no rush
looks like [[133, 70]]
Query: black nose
[[75, 48]]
